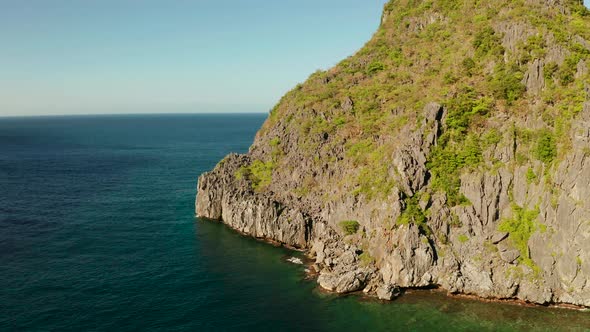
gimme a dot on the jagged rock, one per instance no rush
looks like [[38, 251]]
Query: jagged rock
[[498, 237], [410, 160], [477, 279], [503, 246], [316, 182], [558, 4], [581, 69], [372, 285], [344, 282], [388, 292], [219, 198], [514, 33], [409, 263], [534, 78], [417, 24], [347, 104], [509, 256], [583, 42]]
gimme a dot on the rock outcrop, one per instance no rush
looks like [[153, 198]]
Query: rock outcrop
[[400, 168], [222, 197]]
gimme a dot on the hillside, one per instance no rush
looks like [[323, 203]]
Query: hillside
[[450, 151]]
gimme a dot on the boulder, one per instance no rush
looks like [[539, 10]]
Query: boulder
[[388, 292]]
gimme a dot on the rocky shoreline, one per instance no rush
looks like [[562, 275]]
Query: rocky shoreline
[[411, 260], [462, 187], [312, 272]]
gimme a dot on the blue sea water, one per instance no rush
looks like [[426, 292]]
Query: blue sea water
[[97, 233]]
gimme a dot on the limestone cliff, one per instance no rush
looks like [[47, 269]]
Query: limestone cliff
[[451, 151]]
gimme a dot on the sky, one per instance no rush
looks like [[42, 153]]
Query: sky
[[170, 56]]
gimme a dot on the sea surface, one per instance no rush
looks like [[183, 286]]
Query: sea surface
[[98, 233]]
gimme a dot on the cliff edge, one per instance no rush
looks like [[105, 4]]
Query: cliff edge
[[452, 150]]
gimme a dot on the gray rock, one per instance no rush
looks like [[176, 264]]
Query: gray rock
[[498, 237], [534, 78], [402, 255], [581, 69], [509, 256], [583, 42], [412, 258], [347, 104], [345, 282], [218, 198], [514, 33], [410, 160], [388, 292], [459, 247]]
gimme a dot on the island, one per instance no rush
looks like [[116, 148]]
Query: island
[[451, 151]]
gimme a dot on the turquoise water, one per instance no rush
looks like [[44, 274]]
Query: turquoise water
[[97, 232]]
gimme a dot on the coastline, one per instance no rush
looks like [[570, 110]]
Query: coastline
[[312, 272]]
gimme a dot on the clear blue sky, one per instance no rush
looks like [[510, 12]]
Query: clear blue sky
[[127, 56]]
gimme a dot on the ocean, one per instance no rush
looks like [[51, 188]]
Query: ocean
[[98, 233]]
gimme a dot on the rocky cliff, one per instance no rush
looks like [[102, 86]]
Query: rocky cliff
[[451, 151]]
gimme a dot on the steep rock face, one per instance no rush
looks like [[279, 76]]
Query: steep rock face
[[404, 166], [222, 197]]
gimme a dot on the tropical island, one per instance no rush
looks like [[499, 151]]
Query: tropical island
[[451, 151]]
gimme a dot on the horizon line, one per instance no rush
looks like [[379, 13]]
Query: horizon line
[[130, 114]]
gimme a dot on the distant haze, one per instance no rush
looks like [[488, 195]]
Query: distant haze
[[156, 56]]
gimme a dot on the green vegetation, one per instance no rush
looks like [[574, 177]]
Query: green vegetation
[[242, 173], [368, 100], [275, 142], [464, 107], [535, 48], [455, 221], [506, 82], [375, 67], [366, 259], [521, 226], [413, 214], [567, 71], [446, 162], [549, 70], [463, 238], [349, 227], [490, 247], [531, 177], [546, 150], [487, 42], [275, 150], [490, 138], [359, 151], [374, 182], [468, 66], [261, 173], [458, 149]]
